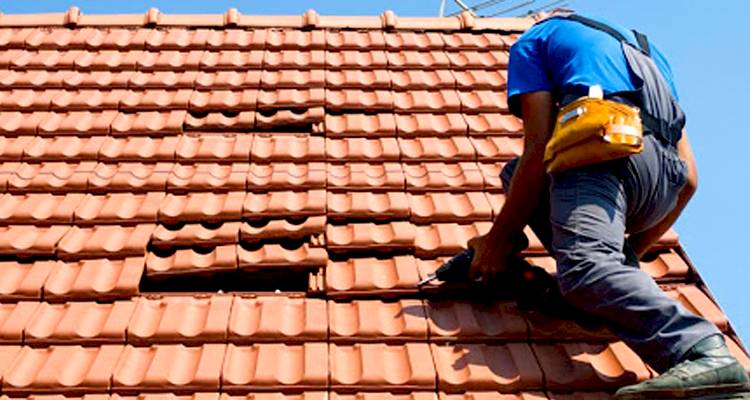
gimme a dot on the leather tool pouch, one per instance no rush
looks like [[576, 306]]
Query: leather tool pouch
[[591, 130]]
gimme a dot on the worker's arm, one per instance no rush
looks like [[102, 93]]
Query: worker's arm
[[527, 184], [642, 241]]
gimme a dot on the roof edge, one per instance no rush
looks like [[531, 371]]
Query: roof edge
[[73, 17]]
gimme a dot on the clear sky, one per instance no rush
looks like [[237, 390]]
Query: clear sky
[[707, 44]]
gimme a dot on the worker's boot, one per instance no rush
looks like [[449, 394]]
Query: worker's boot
[[708, 372]]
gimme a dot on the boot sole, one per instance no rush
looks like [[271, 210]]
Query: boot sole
[[717, 392]]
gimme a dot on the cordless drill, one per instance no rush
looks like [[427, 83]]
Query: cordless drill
[[530, 286]]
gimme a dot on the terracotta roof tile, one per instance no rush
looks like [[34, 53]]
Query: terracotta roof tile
[[454, 148], [116, 208], [493, 124], [477, 79], [51, 177], [491, 101], [286, 176], [38, 370], [414, 40], [503, 367], [281, 204], [470, 59], [207, 177], [441, 176], [12, 149], [579, 366], [374, 320], [223, 100], [422, 79], [92, 279], [268, 148], [355, 79], [384, 396], [221, 121], [487, 395], [197, 260], [294, 59], [277, 318], [372, 277], [187, 235], [354, 40], [362, 149], [432, 207], [129, 177], [446, 239], [297, 120], [39, 208], [290, 78], [138, 149], [358, 99], [79, 323], [13, 319], [354, 59], [175, 367], [23, 281], [426, 101], [474, 41], [545, 328], [410, 59], [362, 176], [370, 236], [420, 124], [26, 241], [274, 256], [221, 79], [161, 319], [275, 366], [148, 123], [364, 125], [667, 266], [464, 321], [200, 207], [62, 148], [281, 229], [109, 241], [360, 205], [379, 366], [494, 148]]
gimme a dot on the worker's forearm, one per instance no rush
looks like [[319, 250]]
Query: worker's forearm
[[527, 185], [641, 242]]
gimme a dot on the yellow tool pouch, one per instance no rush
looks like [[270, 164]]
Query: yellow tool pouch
[[591, 130]]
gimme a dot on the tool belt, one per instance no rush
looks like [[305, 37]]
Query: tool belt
[[592, 130]]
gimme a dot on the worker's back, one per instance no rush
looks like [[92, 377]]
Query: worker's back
[[566, 57]]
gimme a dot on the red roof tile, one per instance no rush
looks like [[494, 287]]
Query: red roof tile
[[348, 156]]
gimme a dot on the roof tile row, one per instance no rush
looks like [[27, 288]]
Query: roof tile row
[[176, 60], [251, 79], [85, 123], [503, 367], [184, 39], [118, 208], [136, 177], [442, 100]]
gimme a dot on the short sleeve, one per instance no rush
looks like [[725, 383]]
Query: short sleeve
[[527, 72]]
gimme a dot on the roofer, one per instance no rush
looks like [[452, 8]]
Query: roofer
[[581, 189]]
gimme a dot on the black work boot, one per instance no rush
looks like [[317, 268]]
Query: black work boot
[[708, 372]]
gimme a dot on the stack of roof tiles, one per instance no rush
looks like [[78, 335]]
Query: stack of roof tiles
[[360, 151]]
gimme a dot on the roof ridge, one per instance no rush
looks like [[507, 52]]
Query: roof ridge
[[73, 17]]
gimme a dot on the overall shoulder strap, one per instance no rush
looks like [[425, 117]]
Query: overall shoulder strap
[[641, 38]]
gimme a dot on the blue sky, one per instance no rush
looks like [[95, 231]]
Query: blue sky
[[707, 45]]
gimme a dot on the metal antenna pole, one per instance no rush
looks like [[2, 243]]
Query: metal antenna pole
[[516, 7], [442, 8], [465, 7]]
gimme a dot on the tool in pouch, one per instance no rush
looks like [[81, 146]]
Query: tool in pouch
[[592, 130]]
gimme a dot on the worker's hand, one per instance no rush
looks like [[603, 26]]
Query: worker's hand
[[490, 257]]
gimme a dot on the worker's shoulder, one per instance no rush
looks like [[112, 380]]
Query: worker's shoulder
[[559, 27]]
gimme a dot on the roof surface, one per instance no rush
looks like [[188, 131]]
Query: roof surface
[[164, 174]]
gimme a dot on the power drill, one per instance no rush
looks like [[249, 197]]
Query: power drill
[[530, 286]]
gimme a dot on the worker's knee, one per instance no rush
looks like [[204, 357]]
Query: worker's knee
[[507, 172], [585, 275]]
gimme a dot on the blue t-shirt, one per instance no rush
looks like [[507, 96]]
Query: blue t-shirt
[[559, 54]]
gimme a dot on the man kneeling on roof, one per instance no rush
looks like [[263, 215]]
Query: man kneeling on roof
[[606, 155]]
